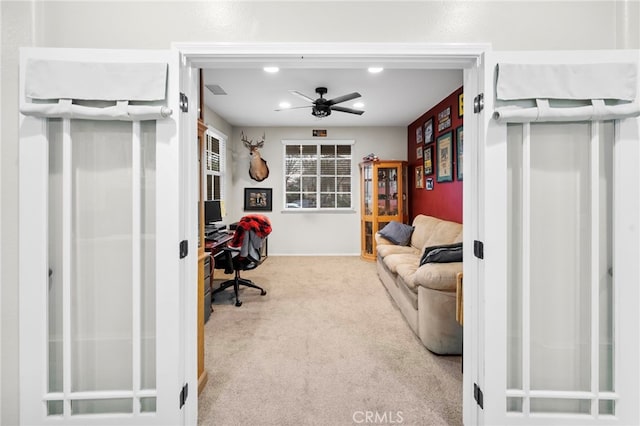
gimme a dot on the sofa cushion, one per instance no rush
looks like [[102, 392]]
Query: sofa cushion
[[423, 227], [444, 232], [407, 271], [393, 260], [387, 249], [442, 254], [438, 276], [396, 232]]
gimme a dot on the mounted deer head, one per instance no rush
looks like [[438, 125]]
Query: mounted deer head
[[258, 169]]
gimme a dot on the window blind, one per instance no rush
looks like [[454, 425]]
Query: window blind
[[566, 92], [97, 91]]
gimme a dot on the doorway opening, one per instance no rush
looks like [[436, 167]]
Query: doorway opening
[[342, 56]]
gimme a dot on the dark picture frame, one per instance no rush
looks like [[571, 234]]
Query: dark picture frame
[[428, 160], [428, 130], [460, 105], [419, 177], [258, 199], [419, 134], [444, 119], [444, 160], [459, 151]]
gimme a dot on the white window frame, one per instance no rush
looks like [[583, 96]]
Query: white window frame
[[222, 140], [318, 144]]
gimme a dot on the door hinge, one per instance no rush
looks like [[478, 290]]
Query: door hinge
[[478, 103], [477, 395], [184, 393], [184, 248], [184, 102], [478, 249]]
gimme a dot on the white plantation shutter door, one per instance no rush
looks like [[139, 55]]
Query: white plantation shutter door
[[99, 266], [562, 239]]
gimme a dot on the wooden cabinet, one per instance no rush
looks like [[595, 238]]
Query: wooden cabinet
[[383, 189]]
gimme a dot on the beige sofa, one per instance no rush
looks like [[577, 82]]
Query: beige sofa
[[426, 295]]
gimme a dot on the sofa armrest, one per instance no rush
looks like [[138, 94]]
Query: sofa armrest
[[438, 276]]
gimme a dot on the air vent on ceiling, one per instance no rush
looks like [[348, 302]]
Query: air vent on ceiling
[[215, 89]]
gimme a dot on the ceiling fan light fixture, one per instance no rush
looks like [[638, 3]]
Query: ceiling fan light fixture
[[358, 105], [284, 105], [375, 70]]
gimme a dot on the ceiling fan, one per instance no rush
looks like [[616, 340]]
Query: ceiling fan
[[322, 107]]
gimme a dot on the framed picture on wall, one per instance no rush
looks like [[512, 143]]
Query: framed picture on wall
[[444, 162], [428, 160], [428, 130], [419, 134], [444, 119], [257, 199], [419, 178], [459, 151], [429, 184], [419, 152], [460, 105]]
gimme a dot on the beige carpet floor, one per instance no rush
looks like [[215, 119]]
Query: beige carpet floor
[[325, 346]]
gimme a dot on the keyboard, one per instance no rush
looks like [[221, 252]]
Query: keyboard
[[216, 236]]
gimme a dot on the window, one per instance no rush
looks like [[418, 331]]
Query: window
[[317, 175], [214, 155]]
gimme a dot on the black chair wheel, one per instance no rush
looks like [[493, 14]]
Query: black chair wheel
[[238, 303], [263, 293]]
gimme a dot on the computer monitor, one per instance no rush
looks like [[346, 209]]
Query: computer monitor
[[212, 212]]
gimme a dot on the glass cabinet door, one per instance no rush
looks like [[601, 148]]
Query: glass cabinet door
[[388, 191], [367, 190]]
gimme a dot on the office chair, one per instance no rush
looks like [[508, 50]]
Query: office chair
[[246, 251]]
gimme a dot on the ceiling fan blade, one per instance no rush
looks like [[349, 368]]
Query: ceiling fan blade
[[302, 95], [298, 107], [284, 109], [343, 98], [344, 109]]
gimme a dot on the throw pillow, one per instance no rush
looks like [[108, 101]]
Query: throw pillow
[[398, 233], [442, 254]]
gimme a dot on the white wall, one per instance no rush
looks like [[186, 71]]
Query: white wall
[[302, 232], [511, 25]]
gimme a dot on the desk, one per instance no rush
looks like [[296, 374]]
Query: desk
[[212, 248]]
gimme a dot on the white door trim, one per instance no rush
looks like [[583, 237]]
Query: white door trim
[[466, 57]]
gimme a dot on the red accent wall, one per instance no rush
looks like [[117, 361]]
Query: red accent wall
[[445, 200]]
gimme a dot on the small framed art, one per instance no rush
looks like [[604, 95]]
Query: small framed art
[[257, 199], [444, 119], [444, 149], [428, 160], [428, 130], [419, 177], [429, 184], [459, 151], [460, 105]]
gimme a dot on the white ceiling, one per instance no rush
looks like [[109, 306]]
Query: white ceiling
[[394, 97]]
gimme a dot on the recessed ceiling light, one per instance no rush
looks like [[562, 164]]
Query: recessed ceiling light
[[358, 105], [375, 70], [271, 69], [285, 105]]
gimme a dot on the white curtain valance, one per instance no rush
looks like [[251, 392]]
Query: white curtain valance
[[580, 92], [119, 84]]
